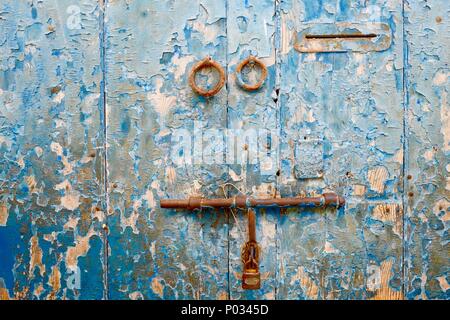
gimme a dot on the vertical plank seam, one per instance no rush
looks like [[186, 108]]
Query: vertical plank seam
[[276, 40], [102, 4], [322, 284], [228, 166], [405, 148]]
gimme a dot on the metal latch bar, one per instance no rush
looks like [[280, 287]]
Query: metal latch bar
[[192, 203], [251, 279]]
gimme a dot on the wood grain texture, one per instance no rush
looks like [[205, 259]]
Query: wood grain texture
[[51, 151]]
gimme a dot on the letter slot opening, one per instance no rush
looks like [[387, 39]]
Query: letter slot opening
[[343, 37]]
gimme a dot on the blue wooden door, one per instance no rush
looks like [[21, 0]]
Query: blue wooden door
[[96, 112]]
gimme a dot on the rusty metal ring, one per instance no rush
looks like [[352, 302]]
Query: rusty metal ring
[[205, 63], [240, 81]]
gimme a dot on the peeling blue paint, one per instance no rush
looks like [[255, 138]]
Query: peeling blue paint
[[91, 97]]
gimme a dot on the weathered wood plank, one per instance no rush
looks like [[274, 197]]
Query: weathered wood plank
[[373, 181], [251, 31], [428, 138], [51, 151], [151, 46], [351, 102], [301, 231]]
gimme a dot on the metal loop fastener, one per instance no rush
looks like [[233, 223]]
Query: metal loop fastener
[[206, 63], [240, 81]]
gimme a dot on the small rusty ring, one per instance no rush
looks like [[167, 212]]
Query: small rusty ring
[[205, 63], [256, 86]]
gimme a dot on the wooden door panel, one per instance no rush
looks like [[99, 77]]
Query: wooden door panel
[[51, 151], [98, 123], [427, 160], [251, 31], [154, 253], [352, 102]]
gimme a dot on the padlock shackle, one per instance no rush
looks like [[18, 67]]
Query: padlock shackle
[[251, 225]]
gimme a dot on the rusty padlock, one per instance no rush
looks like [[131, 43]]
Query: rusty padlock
[[251, 278]]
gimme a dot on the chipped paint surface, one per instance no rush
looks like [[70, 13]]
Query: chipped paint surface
[[92, 92], [147, 99], [356, 104], [50, 75], [427, 194], [251, 31]]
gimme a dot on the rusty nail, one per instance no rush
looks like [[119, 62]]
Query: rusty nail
[[55, 90]]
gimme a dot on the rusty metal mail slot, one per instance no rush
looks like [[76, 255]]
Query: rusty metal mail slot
[[343, 37]]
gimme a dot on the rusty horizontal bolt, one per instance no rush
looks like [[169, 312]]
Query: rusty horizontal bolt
[[193, 203]]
